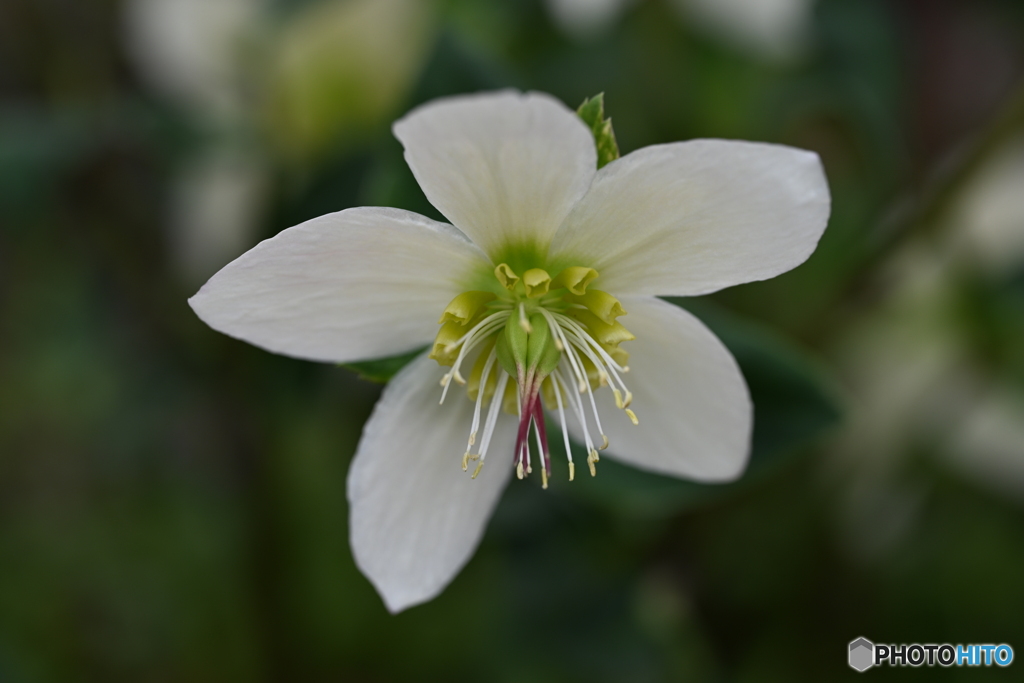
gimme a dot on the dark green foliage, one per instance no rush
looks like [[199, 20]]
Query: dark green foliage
[[381, 370]]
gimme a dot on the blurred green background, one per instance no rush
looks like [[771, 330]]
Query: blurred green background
[[172, 502]]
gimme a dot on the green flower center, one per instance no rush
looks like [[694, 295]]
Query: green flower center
[[555, 337]]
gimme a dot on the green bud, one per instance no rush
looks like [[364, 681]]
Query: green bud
[[592, 113]]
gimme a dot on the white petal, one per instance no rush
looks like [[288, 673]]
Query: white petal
[[505, 167], [357, 284], [415, 516], [693, 217], [688, 394]]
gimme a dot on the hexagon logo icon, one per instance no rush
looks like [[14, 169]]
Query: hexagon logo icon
[[862, 654]]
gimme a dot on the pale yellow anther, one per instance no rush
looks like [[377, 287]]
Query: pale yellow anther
[[591, 461], [472, 438], [618, 399], [506, 276], [597, 456], [572, 470], [602, 304], [605, 444], [628, 399], [543, 478], [519, 470], [465, 462], [529, 468], [575, 279], [477, 470], [632, 416], [465, 307], [537, 282]]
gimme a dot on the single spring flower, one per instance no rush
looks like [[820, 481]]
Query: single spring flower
[[537, 302]]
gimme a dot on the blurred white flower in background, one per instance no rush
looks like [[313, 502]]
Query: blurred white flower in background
[[918, 380], [990, 214], [341, 68], [584, 19], [262, 86], [988, 443], [191, 51], [773, 30], [770, 29], [217, 199]]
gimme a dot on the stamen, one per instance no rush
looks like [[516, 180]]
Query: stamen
[[572, 470], [597, 418], [475, 329], [581, 337], [632, 416], [492, 417], [585, 386], [540, 450], [577, 406], [560, 336], [540, 429], [469, 341], [557, 384], [484, 376]]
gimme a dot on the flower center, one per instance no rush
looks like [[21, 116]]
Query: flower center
[[559, 342]]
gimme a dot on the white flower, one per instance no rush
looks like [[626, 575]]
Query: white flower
[[190, 50], [537, 230]]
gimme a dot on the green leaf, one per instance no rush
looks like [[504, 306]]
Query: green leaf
[[381, 370], [794, 404], [592, 113]]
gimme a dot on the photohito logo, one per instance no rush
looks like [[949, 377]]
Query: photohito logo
[[863, 654]]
